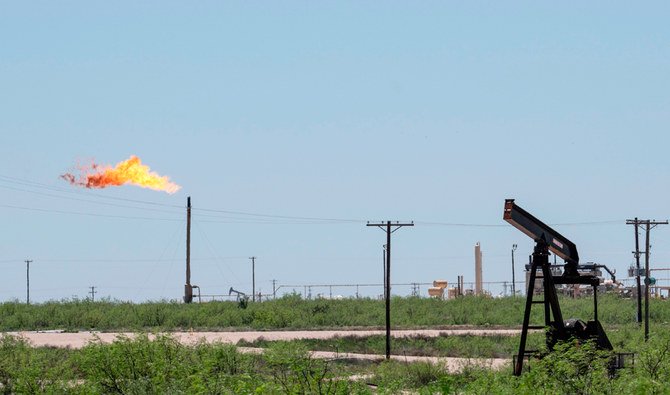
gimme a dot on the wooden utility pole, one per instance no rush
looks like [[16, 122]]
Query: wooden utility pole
[[28, 281], [92, 292], [636, 222], [389, 228], [648, 225], [646, 284], [188, 289], [647, 280]]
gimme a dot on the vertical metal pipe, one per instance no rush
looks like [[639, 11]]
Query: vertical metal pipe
[[513, 280], [478, 270]]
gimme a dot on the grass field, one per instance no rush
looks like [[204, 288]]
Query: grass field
[[163, 365], [293, 312]]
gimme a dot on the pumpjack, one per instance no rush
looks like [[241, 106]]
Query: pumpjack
[[546, 240], [240, 294]]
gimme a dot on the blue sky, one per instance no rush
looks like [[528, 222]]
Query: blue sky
[[346, 110]]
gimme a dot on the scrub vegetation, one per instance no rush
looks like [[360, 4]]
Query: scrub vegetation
[[139, 365], [292, 312], [160, 364]]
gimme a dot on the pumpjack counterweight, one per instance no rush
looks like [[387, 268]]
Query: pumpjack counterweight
[[548, 240]]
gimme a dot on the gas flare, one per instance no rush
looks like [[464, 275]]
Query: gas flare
[[130, 171]]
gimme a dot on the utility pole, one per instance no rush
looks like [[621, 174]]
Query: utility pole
[[384, 268], [636, 222], [646, 285], [28, 281], [389, 228], [513, 286], [274, 289], [188, 289], [648, 225], [92, 292], [253, 278], [647, 281]]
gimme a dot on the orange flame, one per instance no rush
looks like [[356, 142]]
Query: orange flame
[[130, 171]]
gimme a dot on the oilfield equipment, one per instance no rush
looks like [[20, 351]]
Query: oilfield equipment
[[546, 240], [437, 290], [240, 294], [478, 269]]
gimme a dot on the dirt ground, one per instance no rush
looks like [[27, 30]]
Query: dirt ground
[[80, 339]]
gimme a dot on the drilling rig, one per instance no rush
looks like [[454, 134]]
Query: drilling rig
[[546, 240]]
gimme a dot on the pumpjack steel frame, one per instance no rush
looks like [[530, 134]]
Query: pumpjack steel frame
[[546, 240]]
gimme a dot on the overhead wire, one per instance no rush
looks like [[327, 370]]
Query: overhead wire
[[210, 246], [88, 214], [211, 215], [80, 192], [175, 236], [86, 200], [37, 260]]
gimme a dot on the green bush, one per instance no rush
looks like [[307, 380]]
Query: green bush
[[27, 370], [292, 367], [293, 312], [147, 365]]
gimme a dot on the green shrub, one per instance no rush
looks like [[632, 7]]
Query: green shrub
[[26, 370]]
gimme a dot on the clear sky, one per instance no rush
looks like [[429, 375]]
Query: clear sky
[[432, 112]]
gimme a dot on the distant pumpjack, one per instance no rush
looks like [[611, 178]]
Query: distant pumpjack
[[239, 294]]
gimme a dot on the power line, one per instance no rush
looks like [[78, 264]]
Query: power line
[[233, 216], [79, 192], [88, 214], [85, 200], [281, 216]]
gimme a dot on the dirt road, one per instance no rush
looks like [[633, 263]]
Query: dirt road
[[80, 339], [451, 363]]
